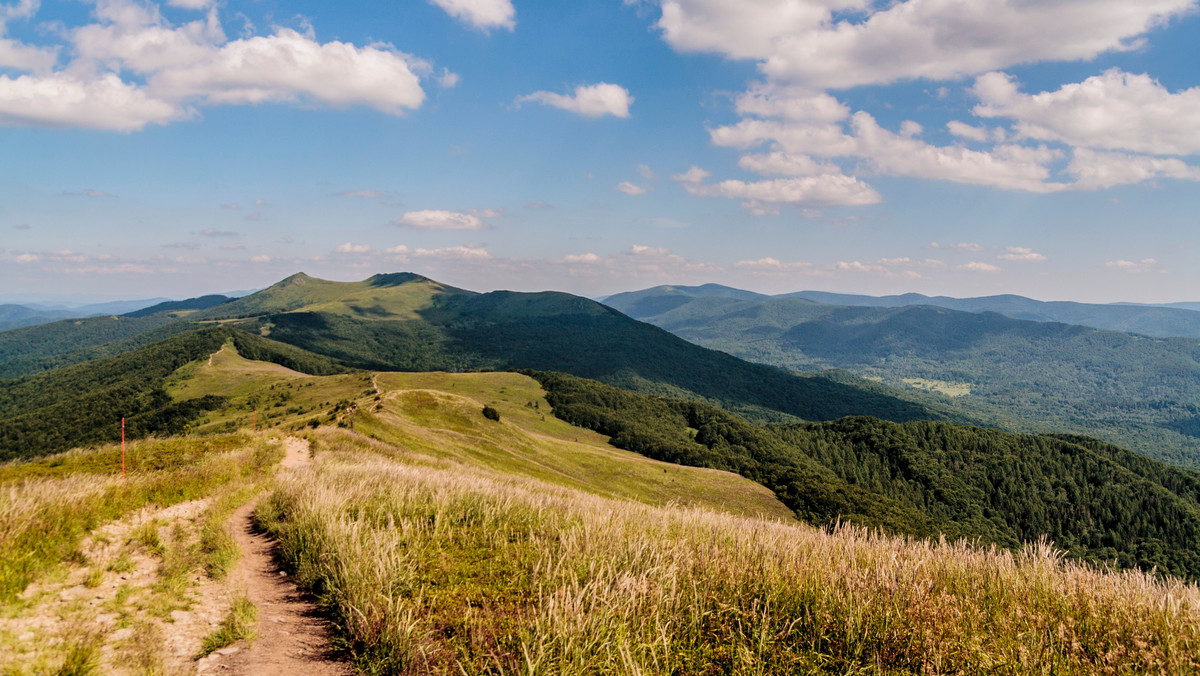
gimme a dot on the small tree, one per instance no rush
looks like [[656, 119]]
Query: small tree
[[491, 413]]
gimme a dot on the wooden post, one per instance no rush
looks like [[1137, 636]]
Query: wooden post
[[122, 447]]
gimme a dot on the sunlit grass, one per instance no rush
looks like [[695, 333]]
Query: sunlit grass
[[451, 571], [47, 506]]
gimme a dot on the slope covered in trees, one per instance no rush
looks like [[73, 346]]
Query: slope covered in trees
[[83, 404], [1098, 502], [1139, 392]]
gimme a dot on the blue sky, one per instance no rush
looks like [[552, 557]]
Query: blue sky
[[183, 147]]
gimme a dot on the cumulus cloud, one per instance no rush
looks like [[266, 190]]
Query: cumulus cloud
[[806, 48], [694, 174], [62, 100], [814, 191], [483, 15], [261, 258], [1098, 170], [1111, 111], [353, 248], [839, 44], [897, 153], [181, 67], [595, 100], [1021, 254], [582, 258], [436, 219], [631, 188]]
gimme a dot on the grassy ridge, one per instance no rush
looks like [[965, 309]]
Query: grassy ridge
[[449, 571], [83, 404]]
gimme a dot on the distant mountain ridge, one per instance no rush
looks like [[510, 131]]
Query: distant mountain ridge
[[1136, 391], [1159, 321]]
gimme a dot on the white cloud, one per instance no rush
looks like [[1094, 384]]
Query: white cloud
[[819, 191], [436, 219], [963, 130], [646, 172], [481, 14], [1023, 254], [588, 100], [894, 154], [791, 103], [27, 258], [448, 80], [1098, 170], [191, 65], [846, 43], [353, 248], [261, 258], [398, 250], [779, 163], [964, 246], [694, 174], [582, 258], [631, 188], [289, 67], [61, 100], [1111, 111], [978, 266]]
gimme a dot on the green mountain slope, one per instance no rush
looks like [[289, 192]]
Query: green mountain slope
[[83, 404], [408, 322], [1139, 392], [1098, 502]]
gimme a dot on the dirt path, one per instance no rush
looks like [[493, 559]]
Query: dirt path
[[292, 638]]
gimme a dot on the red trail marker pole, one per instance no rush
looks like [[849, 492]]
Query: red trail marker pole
[[122, 448]]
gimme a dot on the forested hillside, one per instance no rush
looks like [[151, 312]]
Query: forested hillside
[[1097, 502], [1139, 392], [83, 404]]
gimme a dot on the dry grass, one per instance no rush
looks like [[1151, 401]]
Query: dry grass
[[47, 506], [430, 570]]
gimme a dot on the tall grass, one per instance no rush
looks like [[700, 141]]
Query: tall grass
[[47, 506], [429, 570]]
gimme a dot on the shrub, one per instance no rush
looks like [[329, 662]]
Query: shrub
[[491, 413]]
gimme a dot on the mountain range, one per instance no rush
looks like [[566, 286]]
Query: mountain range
[[829, 445], [1039, 376], [1162, 321]]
